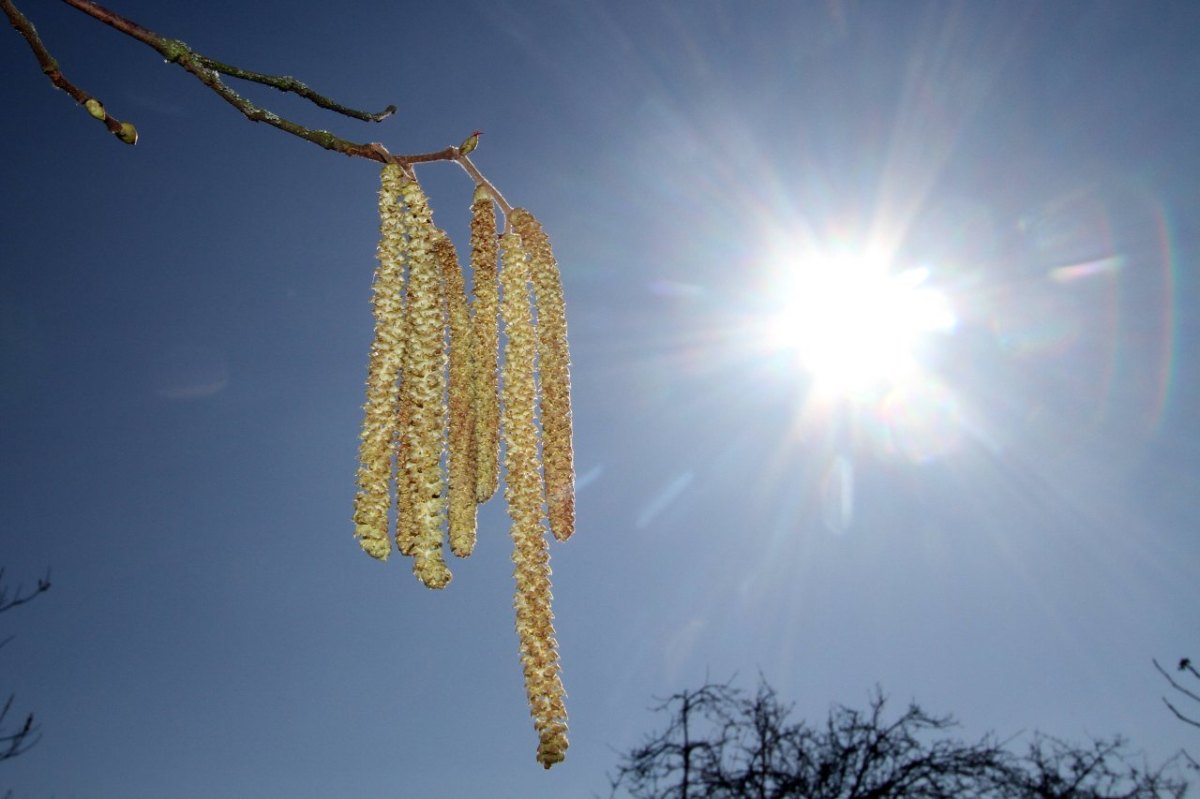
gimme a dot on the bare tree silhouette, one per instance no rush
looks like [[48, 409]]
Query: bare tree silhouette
[[722, 744]]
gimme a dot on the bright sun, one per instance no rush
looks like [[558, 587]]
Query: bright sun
[[852, 323]]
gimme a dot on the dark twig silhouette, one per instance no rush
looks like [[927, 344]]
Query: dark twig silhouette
[[18, 739], [719, 743], [1185, 664]]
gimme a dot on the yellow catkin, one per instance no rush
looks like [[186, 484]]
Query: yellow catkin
[[383, 367], [407, 527], [554, 374], [485, 347], [424, 387], [461, 463], [523, 490], [406, 513]]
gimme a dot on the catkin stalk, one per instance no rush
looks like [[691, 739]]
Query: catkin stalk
[[523, 490]]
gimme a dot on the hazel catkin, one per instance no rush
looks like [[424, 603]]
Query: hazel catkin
[[485, 347], [523, 490], [553, 373], [424, 384], [461, 464], [379, 421], [436, 389]]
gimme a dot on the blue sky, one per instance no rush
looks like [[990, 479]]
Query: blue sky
[[1007, 533]]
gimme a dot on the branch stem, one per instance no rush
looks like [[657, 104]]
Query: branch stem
[[52, 71], [209, 71]]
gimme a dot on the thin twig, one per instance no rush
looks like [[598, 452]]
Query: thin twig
[[176, 51], [209, 70], [1174, 684], [286, 83], [122, 130], [43, 585], [1185, 664], [14, 743], [1179, 715], [18, 741]]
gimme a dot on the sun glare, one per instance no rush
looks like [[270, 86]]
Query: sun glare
[[853, 324]]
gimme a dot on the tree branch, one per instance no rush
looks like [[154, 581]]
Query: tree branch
[[122, 130], [14, 743], [177, 52], [1175, 685], [1179, 715], [43, 585], [209, 70], [286, 84]]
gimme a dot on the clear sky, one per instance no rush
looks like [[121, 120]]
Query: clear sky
[[999, 519]]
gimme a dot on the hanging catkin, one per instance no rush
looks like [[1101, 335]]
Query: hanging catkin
[[435, 388], [485, 348], [383, 367], [523, 489], [462, 421], [424, 389], [553, 374]]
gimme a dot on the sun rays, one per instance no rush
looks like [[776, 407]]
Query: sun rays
[[852, 324]]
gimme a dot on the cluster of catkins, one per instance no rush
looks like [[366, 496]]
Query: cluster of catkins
[[433, 389]]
